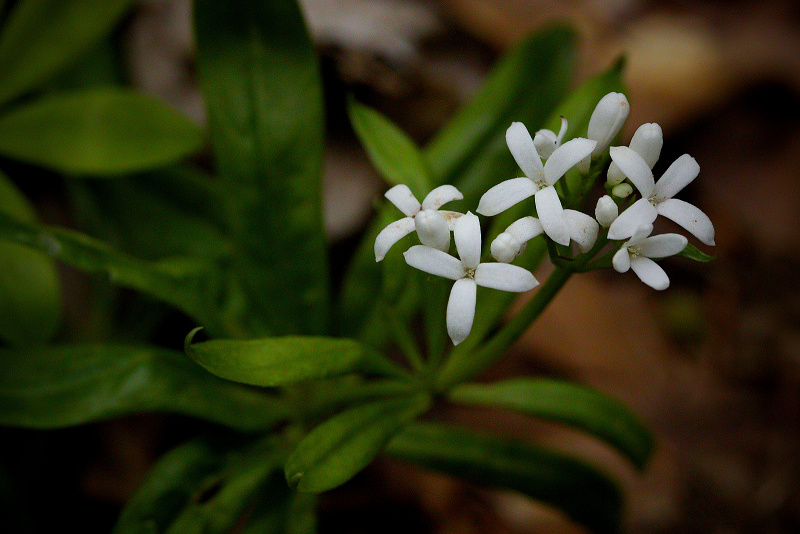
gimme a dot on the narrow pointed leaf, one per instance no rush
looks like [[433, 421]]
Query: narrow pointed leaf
[[42, 37], [30, 293], [260, 77], [55, 387], [392, 152], [100, 131], [278, 361], [582, 492], [694, 253], [589, 410], [203, 487], [343, 445]]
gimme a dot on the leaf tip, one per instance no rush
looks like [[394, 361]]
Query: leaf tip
[[187, 342]]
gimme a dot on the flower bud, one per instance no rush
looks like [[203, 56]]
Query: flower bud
[[647, 142], [546, 141], [432, 229], [622, 190], [607, 120], [606, 211], [505, 248]]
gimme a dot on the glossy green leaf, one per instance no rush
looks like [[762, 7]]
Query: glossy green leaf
[[30, 292], [278, 361], [582, 492], [186, 283], [392, 152], [259, 72], [204, 487], [100, 131], [42, 37], [55, 387], [336, 450], [694, 253], [587, 409]]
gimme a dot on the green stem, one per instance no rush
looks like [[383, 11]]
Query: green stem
[[405, 341], [458, 370]]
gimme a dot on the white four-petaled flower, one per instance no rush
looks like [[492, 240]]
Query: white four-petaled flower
[[657, 196], [635, 254], [468, 273], [433, 226], [538, 181]]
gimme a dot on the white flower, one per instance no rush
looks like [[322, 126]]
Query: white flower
[[657, 197], [468, 273], [636, 253], [433, 226], [583, 228], [647, 142], [538, 181], [606, 121], [606, 211], [513, 241], [546, 141]]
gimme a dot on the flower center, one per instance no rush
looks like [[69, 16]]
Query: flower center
[[652, 199], [634, 251], [540, 183], [469, 273]]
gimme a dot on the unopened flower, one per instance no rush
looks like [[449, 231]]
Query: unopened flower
[[606, 211], [622, 190], [513, 241], [635, 254], [468, 273], [433, 226], [538, 181], [657, 197], [647, 142], [606, 121], [583, 228], [546, 141]]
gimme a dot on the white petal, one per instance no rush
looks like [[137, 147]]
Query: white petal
[[505, 277], [451, 217], [635, 168], [433, 261], [467, 235], [461, 309], [524, 151], [621, 260], [504, 195], [663, 245], [639, 235], [440, 196], [551, 215], [432, 229], [680, 174], [391, 235], [565, 157], [525, 229], [402, 197], [607, 119], [640, 212], [583, 228], [545, 141], [647, 142], [505, 248], [690, 217], [650, 273]]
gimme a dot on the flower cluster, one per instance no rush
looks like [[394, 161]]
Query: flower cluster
[[544, 160]]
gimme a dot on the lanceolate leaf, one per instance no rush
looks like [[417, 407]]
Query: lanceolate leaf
[[55, 387], [392, 152], [98, 132], [203, 487], [694, 253], [556, 400], [343, 445], [278, 361], [260, 77], [582, 492], [30, 294], [42, 37]]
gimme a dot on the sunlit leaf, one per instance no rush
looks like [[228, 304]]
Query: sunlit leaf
[[55, 387], [343, 445], [582, 492]]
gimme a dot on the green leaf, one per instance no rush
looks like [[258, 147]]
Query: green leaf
[[693, 253], [30, 292], [204, 487], [42, 37], [186, 283], [589, 410], [99, 132], [55, 387], [259, 72], [281, 510], [286, 360], [343, 445], [392, 152], [582, 492]]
